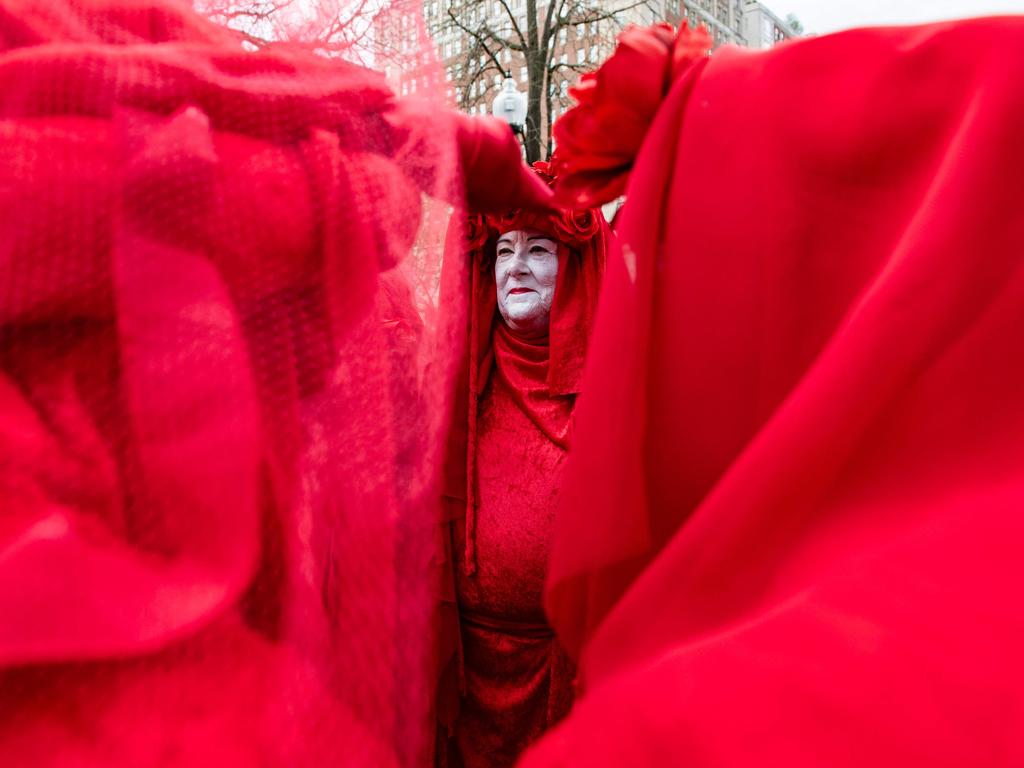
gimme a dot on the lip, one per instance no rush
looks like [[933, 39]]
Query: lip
[[514, 291]]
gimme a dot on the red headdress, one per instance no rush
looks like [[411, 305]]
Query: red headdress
[[583, 239]]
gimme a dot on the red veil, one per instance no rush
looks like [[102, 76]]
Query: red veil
[[219, 439], [791, 529]]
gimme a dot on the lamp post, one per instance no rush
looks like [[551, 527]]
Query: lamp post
[[510, 105]]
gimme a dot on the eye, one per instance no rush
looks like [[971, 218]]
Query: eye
[[504, 252], [541, 249]]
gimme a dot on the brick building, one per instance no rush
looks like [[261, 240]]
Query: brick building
[[473, 66]]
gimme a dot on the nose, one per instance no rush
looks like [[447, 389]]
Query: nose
[[519, 264]]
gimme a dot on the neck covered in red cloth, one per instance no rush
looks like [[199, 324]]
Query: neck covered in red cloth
[[524, 367]]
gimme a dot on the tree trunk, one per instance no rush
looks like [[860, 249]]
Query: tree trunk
[[547, 111], [535, 83]]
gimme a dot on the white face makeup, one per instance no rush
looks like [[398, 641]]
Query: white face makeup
[[525, 270]]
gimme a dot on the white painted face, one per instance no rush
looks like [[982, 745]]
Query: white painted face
[[525, 271]]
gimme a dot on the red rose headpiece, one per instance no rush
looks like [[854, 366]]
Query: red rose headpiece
[[567, 226]]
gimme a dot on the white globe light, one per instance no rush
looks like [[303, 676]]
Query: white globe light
[[510, 104]]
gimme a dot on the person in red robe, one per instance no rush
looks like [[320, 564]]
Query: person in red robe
[[790, 528], [533, 282]]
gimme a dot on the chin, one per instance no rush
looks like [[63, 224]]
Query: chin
[[524, 319], [524, 316], [524, 322]]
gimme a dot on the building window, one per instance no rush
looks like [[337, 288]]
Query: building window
[[579, 31], [563, 88], [562, 36], [523, 74], [593, 54], [581, 55]]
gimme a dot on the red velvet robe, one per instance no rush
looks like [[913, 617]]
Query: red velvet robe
[[518, 679]]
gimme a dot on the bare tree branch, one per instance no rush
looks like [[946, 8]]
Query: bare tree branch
[[542, 44]]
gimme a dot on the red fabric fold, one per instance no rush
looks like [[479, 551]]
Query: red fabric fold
[[599, 138], [789, 530], [193, 438], [219, 442], [488, 150]]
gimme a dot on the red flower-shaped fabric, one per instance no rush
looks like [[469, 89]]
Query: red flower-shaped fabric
[[572, 227], [599, 138]]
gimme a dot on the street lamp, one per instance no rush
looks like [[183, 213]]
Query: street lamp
[[510, 105]]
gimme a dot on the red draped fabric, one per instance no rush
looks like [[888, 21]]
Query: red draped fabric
[[220, 442], [790, 531]]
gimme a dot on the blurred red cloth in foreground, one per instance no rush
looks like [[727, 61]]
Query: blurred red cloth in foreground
[[219, 441], [791, 529]]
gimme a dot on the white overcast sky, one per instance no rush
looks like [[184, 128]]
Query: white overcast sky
[[821, 16]]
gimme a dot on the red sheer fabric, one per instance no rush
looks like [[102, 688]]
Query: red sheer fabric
[[220, 437], [790, 530], [508, 678]]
